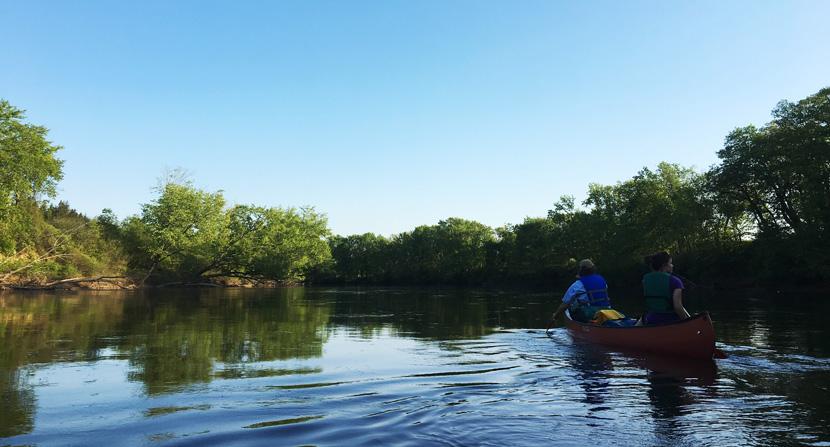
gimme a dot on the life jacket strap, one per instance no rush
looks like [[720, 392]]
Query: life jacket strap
[[592, 299]]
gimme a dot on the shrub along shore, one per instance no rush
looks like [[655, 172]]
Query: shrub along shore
[[757, 217]]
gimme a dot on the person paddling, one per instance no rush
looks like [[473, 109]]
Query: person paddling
[[587, 295], [663, 291]]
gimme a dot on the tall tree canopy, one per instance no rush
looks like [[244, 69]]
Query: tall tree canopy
[[188, 235], [28, 169], [780, 173]]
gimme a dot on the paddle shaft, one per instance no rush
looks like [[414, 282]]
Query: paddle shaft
[[550, 325]]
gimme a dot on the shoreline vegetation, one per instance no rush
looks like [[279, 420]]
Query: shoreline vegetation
[[759, 217]]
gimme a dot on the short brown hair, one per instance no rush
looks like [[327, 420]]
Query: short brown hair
[[586, 267]]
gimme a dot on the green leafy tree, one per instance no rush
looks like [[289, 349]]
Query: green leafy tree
[[779, 175], [360, 257], [462, 249], [531, 254], [187, 235], [289, 244], [40, 241], [86, 251], [453, 251], [179, 232], [28, 170]]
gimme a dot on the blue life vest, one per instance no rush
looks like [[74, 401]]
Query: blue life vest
[[596, 290]]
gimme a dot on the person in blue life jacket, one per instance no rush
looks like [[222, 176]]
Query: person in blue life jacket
[[587, 295], [663, 291]]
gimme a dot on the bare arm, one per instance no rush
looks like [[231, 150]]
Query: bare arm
[[677, 301]]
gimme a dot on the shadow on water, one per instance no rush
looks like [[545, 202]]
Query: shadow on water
[[592, 366], [669, 382], [668, 377]]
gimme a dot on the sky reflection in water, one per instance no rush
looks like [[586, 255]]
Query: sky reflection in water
[[394, 366]]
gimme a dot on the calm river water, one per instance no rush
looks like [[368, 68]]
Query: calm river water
[[335, 366]]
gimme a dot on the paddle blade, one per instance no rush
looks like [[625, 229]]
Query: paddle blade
[[718, 354]]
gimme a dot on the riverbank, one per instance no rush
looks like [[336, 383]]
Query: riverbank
[[554, 287], [127, 283]]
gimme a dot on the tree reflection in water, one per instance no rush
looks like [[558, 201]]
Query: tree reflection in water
[[172, 339], [18, 403], [55, 347]]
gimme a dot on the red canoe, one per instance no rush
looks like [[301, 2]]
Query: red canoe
[[690, 338]]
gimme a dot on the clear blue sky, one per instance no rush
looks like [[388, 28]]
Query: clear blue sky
[[386, 115]]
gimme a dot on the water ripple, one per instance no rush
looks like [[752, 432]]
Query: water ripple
[[283, 422]]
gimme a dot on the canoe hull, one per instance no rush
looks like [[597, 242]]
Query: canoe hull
[[690, 338]]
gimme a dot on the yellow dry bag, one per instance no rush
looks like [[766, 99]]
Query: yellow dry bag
[[603, 315]]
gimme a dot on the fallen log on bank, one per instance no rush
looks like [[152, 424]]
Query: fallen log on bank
[[117, 281]]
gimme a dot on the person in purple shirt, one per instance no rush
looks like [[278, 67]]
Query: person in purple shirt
[[663, 291]]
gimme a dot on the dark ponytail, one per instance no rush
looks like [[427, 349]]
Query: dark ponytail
[[657, 260]]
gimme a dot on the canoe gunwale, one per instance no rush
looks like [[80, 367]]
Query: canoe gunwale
[[691, 319]]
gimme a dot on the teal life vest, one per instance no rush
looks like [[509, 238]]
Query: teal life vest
[[657, 292]]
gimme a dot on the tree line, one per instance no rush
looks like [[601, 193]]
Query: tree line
[[760, 214]]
